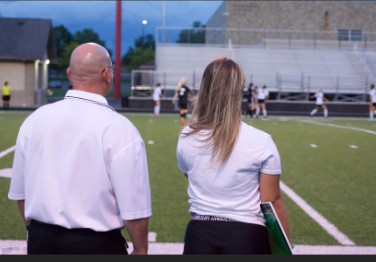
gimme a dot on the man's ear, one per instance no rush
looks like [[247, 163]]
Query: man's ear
[[69, 74], [106, 75]]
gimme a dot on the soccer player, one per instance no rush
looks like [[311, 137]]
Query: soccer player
[[320, 102], [184, 93], [6, 95], [157, 94], [251, 100], [262, 97], [372, 106]]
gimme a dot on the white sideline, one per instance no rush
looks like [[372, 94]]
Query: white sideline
[[338, 126], [322, 221], [5, 152], [19, 247]]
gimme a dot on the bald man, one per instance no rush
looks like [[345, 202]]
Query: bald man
[[80, 171]]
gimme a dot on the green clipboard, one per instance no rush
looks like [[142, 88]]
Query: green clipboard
[[278, 240]]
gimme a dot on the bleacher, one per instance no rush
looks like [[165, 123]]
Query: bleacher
[[283, 70]]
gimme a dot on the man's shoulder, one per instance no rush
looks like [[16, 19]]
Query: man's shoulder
[[122, 126]]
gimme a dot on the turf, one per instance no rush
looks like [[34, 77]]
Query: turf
[[334, 179]]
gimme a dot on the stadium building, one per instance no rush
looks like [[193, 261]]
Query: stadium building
[[293, 47], [26, 49]]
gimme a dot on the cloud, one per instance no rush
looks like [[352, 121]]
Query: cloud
[[101, 15]]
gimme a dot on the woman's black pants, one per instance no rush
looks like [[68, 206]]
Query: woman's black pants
[[220, 237]]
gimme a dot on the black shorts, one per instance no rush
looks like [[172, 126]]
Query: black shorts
[[183, 105], [6, 98], [374, 104], [220, 237], [261, 101]]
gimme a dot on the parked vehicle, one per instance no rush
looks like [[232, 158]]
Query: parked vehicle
[[54, 84]]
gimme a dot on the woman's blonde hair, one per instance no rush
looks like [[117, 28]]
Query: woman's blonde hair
[[218, 107], [181, 83]]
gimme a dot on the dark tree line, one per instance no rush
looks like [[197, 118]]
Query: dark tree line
[[66, 42]]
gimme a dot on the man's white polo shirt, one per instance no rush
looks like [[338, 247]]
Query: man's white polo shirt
[[79, 164]]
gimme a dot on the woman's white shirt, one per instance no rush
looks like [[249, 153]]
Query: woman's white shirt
[[156, 94], [319, 98], [230, 190]]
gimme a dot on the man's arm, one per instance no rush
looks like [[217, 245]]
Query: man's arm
[[270, 192], [21, 208], [138, 231]]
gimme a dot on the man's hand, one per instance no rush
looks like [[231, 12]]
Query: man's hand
[[138, 231]]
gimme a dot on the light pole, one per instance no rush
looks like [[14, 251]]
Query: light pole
[[163, 21], [144, 22], [117, 93]]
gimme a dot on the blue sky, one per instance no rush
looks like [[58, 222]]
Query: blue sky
[[101, 15]]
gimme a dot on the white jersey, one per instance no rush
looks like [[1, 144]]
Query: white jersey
[[319, 98], [230, 190], [156, 94], [262, 94], [372, 94]]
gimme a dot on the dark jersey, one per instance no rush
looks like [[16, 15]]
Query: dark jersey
[[250, 94], [183, 94]]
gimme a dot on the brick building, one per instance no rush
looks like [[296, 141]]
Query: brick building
[[345, 20], [26, 49]]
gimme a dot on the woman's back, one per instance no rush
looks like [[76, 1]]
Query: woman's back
[[230, 190], [231, 167]]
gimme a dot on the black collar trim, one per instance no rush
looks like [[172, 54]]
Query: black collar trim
[[90, 101]]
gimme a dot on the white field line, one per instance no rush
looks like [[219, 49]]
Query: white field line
[[338, 126], [5, 152], [19, 247], [322, 221]]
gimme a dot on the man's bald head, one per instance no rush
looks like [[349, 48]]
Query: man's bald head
[[87, 64]]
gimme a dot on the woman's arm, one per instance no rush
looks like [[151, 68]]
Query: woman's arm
[[175, 96], [270, 192]]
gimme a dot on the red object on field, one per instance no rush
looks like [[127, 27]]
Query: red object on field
[[118, 49]]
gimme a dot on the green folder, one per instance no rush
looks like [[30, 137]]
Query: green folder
[[278, 240]]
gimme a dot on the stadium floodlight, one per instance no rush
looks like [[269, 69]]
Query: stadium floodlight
[[47, 61], [144, 22]]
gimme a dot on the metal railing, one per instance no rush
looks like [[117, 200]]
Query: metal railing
[[286, 86], [262, 38]]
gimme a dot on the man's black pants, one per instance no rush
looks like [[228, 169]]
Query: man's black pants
[[53, 239], [219, 237]]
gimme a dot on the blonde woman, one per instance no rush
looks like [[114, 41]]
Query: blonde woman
[[231, 168], [184, 93]]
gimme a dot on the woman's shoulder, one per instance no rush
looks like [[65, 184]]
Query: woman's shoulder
[[252, 132]]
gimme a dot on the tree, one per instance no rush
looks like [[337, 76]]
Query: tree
[[62, 37], [192, 35], [65, 56], [88, 35], [143, 52], [65, 43]]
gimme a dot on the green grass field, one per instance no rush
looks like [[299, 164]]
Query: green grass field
[[336, 180]]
